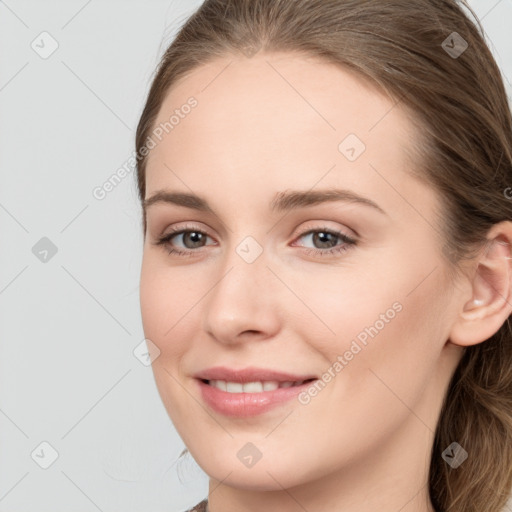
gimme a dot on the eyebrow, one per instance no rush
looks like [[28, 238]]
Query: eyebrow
[[283, 201]]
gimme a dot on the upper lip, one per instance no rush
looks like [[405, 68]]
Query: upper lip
[[250, 374]]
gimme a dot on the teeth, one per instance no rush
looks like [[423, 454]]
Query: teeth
[[234, 387], [221, 384], [270, 386], [251, 387]]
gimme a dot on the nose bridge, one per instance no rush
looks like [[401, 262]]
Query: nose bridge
[[243, 271], [244, 264], [241, 298]]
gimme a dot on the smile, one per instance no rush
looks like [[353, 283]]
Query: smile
[[252, 387]]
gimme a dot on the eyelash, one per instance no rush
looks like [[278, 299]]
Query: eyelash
[[348, 242]]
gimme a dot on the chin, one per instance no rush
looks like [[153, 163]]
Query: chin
[[252, 480], [269, 475]]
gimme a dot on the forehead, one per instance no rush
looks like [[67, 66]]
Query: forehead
[[283, 120], [255, 99]]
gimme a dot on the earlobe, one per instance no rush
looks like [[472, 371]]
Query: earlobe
[[491, 291]]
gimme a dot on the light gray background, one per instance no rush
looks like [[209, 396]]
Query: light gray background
[[68, 328]]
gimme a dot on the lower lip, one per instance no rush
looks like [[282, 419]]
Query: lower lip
[[242, 405]]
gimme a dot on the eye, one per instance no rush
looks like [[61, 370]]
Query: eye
[[191, 237], [328, 240]]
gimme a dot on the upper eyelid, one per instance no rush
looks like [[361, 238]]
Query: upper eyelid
[[303, 231], [341, 234]]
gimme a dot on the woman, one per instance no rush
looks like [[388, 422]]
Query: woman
[[326, 270]]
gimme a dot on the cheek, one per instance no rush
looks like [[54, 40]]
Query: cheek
[[387, 377], [167, 298], [387, 318], [342, 304]]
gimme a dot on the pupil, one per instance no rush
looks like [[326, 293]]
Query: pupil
[[322, 235], [193, 234]]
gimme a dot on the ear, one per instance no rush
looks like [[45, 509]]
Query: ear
[[491, 290]]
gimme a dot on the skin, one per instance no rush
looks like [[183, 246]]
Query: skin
[[265, 125]]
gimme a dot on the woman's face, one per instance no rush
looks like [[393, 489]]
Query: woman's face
[[277, 282]]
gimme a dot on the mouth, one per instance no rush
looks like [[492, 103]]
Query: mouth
[[255, 386], [250, 391]]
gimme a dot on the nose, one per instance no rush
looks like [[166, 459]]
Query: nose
[[243, 303]]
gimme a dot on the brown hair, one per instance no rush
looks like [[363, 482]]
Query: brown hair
[[408, 49]]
